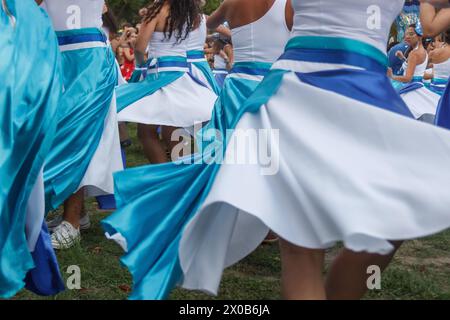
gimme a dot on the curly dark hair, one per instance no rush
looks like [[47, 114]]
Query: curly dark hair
[[110, 21], [182, 17], [447, 36]]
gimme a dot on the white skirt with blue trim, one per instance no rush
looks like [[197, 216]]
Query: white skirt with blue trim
[[421, 102], [182, 104], [98, 179], [340, 170]]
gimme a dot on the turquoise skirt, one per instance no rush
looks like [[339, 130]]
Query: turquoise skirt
[[199, 68], [30, 88], [147, 224], [90, 77]]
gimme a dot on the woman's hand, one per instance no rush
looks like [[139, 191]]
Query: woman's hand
[[399, 54], [390, 74]]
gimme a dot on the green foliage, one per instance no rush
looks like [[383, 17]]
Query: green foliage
[[126, 10], [211, 5]]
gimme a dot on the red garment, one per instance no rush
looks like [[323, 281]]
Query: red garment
[[128, 66]]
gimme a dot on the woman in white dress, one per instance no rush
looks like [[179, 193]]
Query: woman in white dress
[[440, 58], [30, 92], [435, 22], [199, 67], [86, 148], [150, 233], [421, 101], [223, 55], [346, 167], [168, 97]]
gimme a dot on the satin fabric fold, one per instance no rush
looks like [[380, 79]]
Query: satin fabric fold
[[149, 78], [438, 86], [155, 202], [30, 89], [197, 60], [45, 278], [443, 110], [135, 90], [90, 76]]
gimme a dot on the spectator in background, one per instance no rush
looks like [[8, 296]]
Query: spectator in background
[[138, 27], [397, 56], [128, 58], [143, 12]]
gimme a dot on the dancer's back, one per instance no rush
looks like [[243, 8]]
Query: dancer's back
[[69, 14], [365, 20], [260, 29]]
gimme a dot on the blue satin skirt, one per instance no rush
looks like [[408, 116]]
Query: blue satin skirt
[[90, 77], [220, 76], [147, 217], [443, 110], [145, 83], [196, 59], [30, 88]]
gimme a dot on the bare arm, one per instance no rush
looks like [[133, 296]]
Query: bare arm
[[128, 55], [145, 34], [224, 31], [230, 54], [221, 29], [413, 61], [428, 76], [289, 14], [218, 17], [433, 22]]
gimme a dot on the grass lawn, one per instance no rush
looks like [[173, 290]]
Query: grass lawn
[[420, 270]]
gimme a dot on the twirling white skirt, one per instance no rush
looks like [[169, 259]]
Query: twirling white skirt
[[421, 102], [198, 74], [107, 159], [181, 104], [342, 170]]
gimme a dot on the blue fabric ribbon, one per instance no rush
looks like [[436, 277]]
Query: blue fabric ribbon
[[443, 110], [80, 38]]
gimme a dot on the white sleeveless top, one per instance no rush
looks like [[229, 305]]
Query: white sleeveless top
[[420, 68], [368, 21], [75, 14], [197, 37], [160, 47], [442, 70], [263, 40], [219, 62]]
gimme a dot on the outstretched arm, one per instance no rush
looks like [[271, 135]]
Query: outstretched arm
[[434, 22], [413, 61], [218, 17], [145, 34], [224, 31]]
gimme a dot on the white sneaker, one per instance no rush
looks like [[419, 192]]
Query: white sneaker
[[85, 223], [65, 236]]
